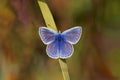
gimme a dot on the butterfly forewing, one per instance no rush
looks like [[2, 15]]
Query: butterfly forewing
[[72, 35], [47, 35]]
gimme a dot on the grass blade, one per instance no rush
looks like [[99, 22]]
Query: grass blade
[[51, 24]]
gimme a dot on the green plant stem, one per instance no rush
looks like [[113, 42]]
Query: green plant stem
[[51, 24], [64, 69]]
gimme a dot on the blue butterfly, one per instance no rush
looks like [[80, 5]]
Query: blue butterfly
[[59, 45]]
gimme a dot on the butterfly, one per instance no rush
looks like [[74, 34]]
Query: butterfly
[[60, 45]]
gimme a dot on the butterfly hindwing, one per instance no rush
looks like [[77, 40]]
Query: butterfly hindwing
[[47, 35], [66, 50], [53, 50], [73, 35]]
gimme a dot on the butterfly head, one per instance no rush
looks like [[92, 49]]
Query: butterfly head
[[59, 32]]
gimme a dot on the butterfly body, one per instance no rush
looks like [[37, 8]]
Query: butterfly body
[[59, 45]]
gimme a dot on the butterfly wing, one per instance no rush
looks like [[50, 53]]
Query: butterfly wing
[[66, 50], [47, 35], [72, 35], [53, 50]]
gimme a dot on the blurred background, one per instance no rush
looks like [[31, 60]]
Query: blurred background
[[96, 56]]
